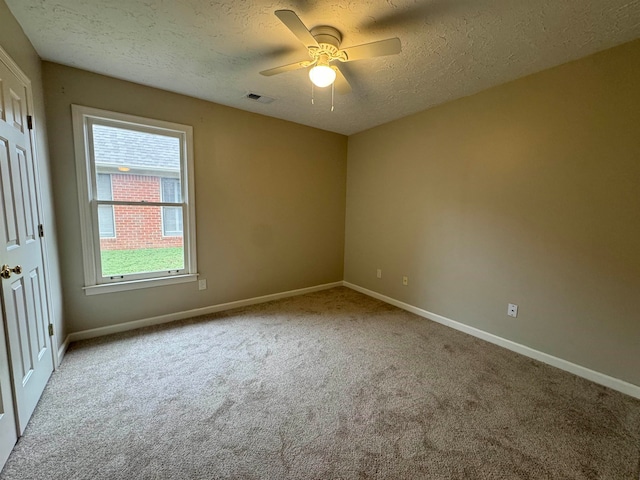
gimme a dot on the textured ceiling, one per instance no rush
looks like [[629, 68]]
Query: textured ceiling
[[214, 49]]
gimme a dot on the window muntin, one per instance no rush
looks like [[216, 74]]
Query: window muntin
[[149, 167]]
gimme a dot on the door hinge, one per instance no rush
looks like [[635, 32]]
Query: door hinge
[[40, 230], [51, 329], [29, 122]]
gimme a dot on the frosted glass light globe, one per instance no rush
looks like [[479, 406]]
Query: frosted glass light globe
[[322, 75]]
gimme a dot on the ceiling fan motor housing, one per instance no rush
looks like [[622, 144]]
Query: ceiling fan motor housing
[[329, 40]]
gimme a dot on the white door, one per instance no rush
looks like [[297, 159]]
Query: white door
[[24, 299]]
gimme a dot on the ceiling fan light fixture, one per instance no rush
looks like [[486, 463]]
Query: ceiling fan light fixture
[[323, 44], [322, 75]]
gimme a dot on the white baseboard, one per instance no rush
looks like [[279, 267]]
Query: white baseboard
[[596, 377], [171, 317], [63, 349]]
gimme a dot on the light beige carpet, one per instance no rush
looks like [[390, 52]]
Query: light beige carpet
[[330, 385]]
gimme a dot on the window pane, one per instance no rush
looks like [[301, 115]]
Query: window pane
[[140, 246], [171, 190], [138, 161], [171, 216], [104, 186], [106, 223], [172, 221]]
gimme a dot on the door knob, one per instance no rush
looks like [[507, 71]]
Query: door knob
[[6, 271]]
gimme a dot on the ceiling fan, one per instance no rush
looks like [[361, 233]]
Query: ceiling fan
[[323, 44]]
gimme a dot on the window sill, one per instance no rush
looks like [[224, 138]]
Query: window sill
[[136, 284]]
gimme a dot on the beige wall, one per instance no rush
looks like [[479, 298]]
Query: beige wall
[[270, 200], [527, 193], [17, 45]]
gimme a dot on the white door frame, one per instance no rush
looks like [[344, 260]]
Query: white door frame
[[15, 69]]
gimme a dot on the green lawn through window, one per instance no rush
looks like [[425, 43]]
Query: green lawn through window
[[122, 262]]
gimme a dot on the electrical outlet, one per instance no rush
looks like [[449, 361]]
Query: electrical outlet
[[405, 280], [202, 284], [512, 310], [379, 273]]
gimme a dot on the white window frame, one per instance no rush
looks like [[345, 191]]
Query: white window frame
[[83, 119]]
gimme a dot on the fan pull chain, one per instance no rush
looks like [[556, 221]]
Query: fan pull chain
[[333, 87], [313, 100]]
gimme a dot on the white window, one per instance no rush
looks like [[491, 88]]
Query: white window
[[134, 235], [171, 216]]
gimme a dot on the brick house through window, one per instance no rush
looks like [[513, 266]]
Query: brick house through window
[[138, 166]]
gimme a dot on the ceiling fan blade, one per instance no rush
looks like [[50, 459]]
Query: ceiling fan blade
[[391, 46], [341, 83], [293, 23], [286, 68]]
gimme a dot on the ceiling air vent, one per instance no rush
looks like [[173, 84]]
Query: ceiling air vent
[[259, 98]]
